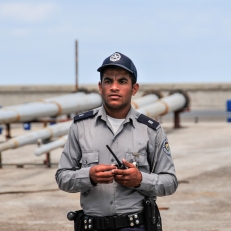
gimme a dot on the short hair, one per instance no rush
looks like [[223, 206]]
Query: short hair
[[114, 67]]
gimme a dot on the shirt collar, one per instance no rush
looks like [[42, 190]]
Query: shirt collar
[[130, 118]]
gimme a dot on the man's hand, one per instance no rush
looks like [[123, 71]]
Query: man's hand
[[130, 177], [102, 174]]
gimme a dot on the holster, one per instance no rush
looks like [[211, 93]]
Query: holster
[[77, 217], [152, 219]]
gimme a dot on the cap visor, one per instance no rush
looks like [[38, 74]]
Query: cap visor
[[119, 65]]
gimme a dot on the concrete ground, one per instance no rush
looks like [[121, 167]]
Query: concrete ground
[[31, 201]]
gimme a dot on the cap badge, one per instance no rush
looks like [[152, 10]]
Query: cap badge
[[115, 57]]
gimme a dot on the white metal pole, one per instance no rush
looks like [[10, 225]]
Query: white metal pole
[[144, 100], [164, 105], [50, 146], [55, 130], [50, 107]]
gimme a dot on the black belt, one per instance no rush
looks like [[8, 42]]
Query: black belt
[[112, 222]]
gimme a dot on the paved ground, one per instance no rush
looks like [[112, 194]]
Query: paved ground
[[30, 200]]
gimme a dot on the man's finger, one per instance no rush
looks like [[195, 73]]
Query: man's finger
[[104, 175], [105, 178], [102, 168], [117, 171], [120, 177], [127, 164]]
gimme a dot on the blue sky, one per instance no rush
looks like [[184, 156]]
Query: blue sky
[[178, 41]]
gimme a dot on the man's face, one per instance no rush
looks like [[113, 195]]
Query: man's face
[[116, 88]]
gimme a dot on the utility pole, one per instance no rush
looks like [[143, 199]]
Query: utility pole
[[76, 66]]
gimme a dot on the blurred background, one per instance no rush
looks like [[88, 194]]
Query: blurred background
[[177, 46]]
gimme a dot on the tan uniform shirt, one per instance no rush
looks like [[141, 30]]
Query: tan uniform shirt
[[135, 142]]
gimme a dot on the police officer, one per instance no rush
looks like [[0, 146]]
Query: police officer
[[110, 195]]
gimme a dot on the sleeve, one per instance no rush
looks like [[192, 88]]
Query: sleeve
[[162, 181], [69, 176]]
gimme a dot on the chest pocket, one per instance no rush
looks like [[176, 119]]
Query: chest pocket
[[139, 158], [89, 159]]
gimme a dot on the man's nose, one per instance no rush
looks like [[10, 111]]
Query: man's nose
[[114, 86]]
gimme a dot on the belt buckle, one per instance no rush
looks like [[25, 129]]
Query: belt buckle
[[133, 219]]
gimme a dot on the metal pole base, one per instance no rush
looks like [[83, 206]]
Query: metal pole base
[[47, 161], [8, 135], [0, 160], [177, 119]]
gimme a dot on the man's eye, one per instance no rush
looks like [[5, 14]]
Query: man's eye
[[107, 81], [123, 81]]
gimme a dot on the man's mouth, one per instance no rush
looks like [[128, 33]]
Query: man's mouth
[[114, 96]]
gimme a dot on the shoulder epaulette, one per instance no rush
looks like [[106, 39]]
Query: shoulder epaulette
[[84, 115], [148, 121]]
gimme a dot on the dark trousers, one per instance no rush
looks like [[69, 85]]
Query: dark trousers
[[136, 228]]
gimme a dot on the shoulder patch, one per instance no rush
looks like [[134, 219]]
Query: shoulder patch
[[166, 147], [84, 115], [148, 121]]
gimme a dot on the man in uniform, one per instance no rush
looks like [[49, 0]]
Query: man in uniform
[[87, 166]]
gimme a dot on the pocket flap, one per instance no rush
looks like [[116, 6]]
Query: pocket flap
[[90, 157]]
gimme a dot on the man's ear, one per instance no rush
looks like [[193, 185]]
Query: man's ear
[[100, 87], [135, 88]]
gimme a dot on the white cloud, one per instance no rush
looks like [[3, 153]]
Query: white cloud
[[26, 12]]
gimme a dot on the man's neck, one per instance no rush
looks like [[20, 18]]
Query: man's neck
[[117, 113]]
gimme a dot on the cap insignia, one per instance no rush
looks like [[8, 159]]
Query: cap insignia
[[115, 57]]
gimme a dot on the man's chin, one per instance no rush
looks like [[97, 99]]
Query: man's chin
[[115, 106]]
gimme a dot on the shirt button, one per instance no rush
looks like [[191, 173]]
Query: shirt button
[[111, 202], [112, 160]]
